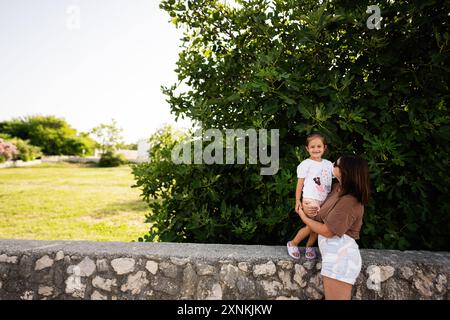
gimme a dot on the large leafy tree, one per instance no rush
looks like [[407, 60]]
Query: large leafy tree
[[303, 66]]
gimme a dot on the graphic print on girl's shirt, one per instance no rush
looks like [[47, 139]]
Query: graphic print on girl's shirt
[[317, 175]]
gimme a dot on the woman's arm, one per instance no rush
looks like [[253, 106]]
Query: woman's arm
[[315, 226]]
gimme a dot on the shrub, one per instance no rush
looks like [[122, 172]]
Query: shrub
[[8, 151], [109, 159], [212, 203], [27, 152]]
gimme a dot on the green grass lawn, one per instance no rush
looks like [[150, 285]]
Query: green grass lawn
[[70, 202]]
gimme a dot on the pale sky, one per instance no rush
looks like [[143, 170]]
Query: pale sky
[[88, 61]]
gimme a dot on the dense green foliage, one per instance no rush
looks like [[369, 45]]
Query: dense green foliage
[[299, 67], [27, 151], [53, 135], [109, 159], [212, 203]]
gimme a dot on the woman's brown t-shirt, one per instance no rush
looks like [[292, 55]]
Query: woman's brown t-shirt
[[342, 215]]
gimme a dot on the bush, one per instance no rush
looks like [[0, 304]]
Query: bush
[[8, 151], [27, 152], [109, 159], [212, 203], [300, 67]]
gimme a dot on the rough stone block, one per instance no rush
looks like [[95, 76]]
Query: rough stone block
[[228, 275], [44, 262], [168, 269], [59, 255], [98, 296], [266, 269], [208, 289], [190, 280], [123, 265], [8, 259], [205, 269], [45, 291], [102, 265], [104, 284], [151, 266], [87, 267], [135, 282], [166, 285]]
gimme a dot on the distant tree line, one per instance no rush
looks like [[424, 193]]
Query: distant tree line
[[54, 136], [30, 137]]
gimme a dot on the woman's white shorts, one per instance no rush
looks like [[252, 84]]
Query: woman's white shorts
[[341, 259]]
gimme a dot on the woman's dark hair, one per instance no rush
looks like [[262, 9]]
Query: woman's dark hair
[[354, 177]]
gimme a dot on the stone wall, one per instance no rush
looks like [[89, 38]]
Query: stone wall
[[112, 270], [72, 159], [130, 155]]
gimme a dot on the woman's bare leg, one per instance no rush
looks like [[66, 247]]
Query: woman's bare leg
[[336, 290]]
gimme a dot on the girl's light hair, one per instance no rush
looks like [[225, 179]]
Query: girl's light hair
[[314, 136]]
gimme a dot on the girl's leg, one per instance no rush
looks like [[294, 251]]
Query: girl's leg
[[336, 290], [312, 239], [301, 234], [310, 252]]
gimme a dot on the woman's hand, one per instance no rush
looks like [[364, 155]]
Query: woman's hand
[[298, 205], [315, 226], [311, 209], [301, 213]]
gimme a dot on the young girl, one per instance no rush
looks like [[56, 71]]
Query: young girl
[[314, 183]]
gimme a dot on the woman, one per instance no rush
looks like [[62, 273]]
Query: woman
[[338, 224]]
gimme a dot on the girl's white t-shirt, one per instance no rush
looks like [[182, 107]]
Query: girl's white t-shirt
[[318, 176]]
